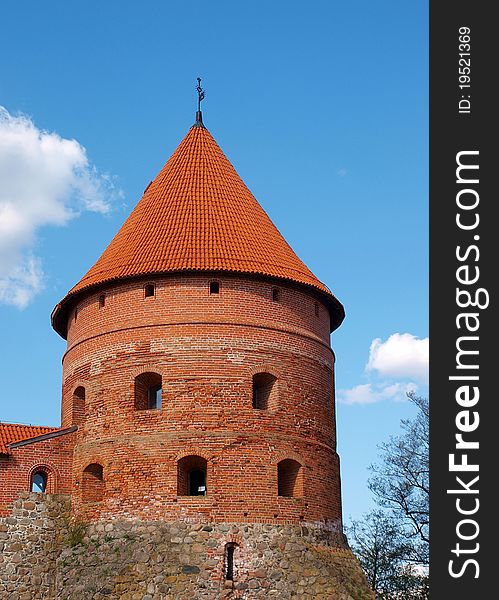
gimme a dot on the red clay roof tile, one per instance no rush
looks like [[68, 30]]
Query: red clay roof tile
[[14, 432], [197, 215]]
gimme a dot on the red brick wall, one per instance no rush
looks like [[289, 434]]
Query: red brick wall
[[53, 456], [206, 349]]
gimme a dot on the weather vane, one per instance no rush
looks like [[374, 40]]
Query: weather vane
[[200, 93]]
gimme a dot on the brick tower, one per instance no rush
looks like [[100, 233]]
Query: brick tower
[[198, 367], [198, 389]]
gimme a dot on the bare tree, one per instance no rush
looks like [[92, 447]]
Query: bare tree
[[400, 481], [384, 555]]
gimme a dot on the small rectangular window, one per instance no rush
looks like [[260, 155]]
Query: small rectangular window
[[276, 296], [102, 300], [229, 561], [214, 287], [316, 308], [149, 290]]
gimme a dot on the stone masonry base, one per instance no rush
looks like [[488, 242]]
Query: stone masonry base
[[47, 556]]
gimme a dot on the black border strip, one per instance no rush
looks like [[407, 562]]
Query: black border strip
[[456, 536]]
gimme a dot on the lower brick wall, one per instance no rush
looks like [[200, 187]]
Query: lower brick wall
[[45, 556], [142, 478], [53, 456]]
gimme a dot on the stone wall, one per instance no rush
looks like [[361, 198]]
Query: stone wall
[[31, 539], [45, 556]]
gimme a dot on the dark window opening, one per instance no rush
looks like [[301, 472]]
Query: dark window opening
[[78, 413], [229, 561], [197, 483], [276, 295], [76, 312], [214, 287], [39, 482], [264, 391], [316, 308], [148, 391], [149, 290], [191, 476], [102, 300], [93, 483], [289, 479]]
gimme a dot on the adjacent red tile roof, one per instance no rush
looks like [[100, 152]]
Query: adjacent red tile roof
[[197, 215], [13, 432]]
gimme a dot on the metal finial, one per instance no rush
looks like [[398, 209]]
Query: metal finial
[[200, 91]]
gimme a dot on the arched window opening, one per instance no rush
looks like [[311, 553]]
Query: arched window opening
[[264, 391], [78, 414], [191, 476], [276, 295], [214, 287], [149, 290], [42, 480], [289, 478], [148, 391], [93, 483], [230, 548], [39, 481], [102, 300]]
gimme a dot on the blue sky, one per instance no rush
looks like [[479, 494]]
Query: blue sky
[[322, 109]]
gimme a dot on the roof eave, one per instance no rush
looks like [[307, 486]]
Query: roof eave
[[42, 437]]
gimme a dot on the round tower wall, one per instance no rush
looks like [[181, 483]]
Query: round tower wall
[[206, 349]]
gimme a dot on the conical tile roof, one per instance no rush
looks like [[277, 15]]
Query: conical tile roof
[[197, 215]]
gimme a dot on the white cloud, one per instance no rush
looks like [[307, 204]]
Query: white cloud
[[402, 356], [45, 180], [369, 393]]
